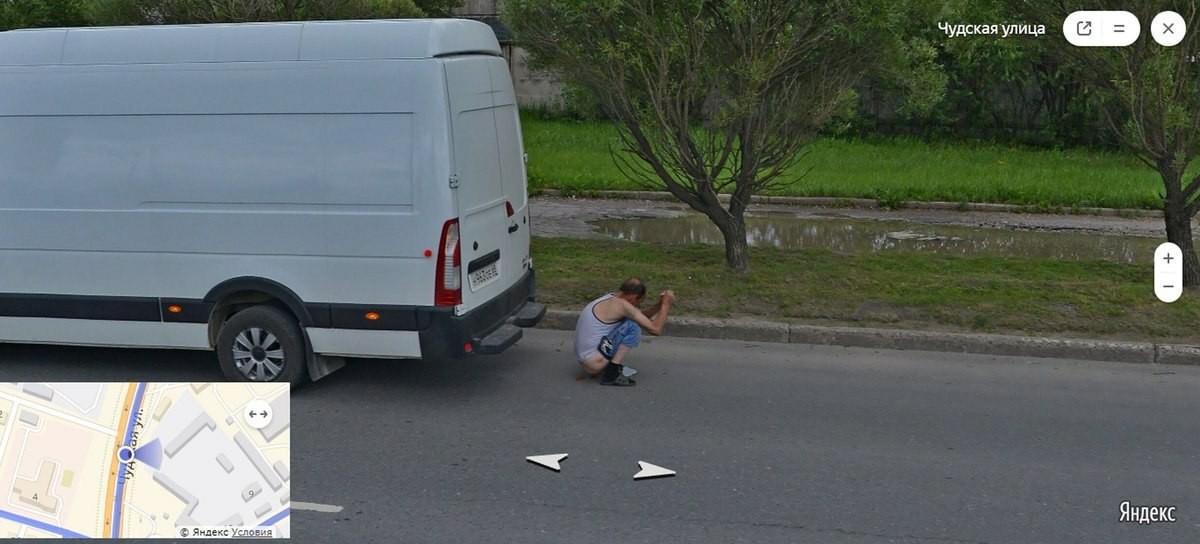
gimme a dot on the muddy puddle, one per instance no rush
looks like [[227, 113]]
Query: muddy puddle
[[859, 236]]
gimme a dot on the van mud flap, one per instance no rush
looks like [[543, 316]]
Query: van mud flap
[[320, 366]]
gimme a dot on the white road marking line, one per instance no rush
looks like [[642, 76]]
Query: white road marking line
[[316, 507]]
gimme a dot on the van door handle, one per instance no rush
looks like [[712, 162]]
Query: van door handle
[[513, 228]]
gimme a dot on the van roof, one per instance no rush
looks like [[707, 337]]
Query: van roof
[[248, 42]]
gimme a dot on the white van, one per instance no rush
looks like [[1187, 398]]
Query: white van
[[287, 194]]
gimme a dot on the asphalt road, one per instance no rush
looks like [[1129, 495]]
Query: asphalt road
[[771, 443]]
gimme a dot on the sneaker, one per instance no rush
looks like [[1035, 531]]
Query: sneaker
[[620, 380]]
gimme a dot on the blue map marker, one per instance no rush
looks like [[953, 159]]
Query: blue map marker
[[151, 454]]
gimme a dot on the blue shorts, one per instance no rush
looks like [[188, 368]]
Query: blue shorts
[[628, 333]]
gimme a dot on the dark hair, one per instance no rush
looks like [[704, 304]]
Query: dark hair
[[634, 286]]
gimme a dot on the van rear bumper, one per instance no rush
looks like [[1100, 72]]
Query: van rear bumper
[[486, 329]]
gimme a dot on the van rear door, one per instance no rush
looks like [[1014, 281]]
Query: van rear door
[[512, 161], [489, 171]]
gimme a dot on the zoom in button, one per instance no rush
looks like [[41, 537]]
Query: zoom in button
[[1168, 272]]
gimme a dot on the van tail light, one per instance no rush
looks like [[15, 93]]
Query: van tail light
[[508, 207], [448, 283]]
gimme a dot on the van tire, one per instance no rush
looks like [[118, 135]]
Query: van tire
[[268, 343]]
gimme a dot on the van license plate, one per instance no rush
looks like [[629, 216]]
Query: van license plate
[[488, 274]]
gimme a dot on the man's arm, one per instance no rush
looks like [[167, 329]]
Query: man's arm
[[653, 326], [651, 311]]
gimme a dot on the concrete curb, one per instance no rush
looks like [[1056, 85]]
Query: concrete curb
[[834, 202], [986, 344]]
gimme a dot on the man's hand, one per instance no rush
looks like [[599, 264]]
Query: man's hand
[[658, 312]]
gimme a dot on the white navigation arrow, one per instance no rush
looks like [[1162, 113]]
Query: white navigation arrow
[[548, 461], [651, 471]]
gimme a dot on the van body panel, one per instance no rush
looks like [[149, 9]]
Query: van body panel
[[378, 86], [343, 343], [102, 333], [155, 157], [314, 279], [313, 156], [248, 42]]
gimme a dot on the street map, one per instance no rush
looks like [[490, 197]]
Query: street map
[[143, 460]]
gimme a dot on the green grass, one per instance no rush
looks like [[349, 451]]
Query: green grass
[[1040, 297], [574, 156]]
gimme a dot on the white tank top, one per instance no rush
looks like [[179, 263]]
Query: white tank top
[[589, 329]]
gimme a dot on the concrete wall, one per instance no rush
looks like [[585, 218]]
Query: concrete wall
[[478, 7], [534, 88]]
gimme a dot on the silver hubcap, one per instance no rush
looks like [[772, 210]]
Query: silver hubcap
[[258, 355]]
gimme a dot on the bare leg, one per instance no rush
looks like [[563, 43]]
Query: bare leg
[[595, 364]]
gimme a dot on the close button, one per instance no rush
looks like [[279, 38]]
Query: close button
[[1168, 28]]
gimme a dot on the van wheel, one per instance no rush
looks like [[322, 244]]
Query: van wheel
[[262, 344]]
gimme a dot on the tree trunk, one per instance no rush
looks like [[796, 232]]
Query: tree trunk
[[737, 253], [1179, 232]]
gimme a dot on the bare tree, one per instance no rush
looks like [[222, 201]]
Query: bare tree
[[709, 97], [1151, 94]]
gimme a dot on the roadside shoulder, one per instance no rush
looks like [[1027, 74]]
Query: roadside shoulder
[[987, 344]]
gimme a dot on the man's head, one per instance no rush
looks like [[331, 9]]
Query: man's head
[[633, 291]]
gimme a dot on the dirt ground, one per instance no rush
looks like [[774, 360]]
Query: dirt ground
[[570, 217]]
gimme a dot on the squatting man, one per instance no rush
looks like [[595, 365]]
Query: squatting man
[[610, 326]]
